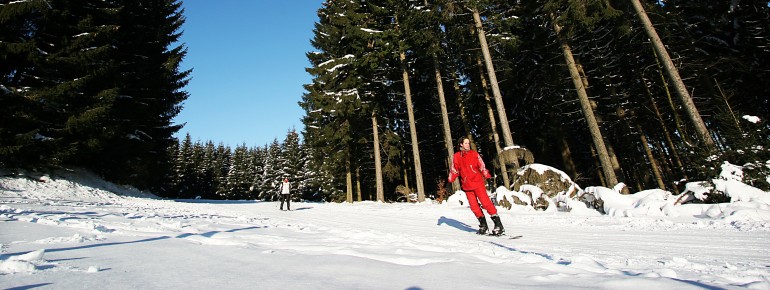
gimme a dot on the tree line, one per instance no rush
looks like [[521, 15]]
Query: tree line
[[648, 93], [208, 171]]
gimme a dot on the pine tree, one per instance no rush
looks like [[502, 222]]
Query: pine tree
[[272, 173], [239, 176], [21, 145], [293, 165], [334, 100], [583, 14], [673, 74], [92, 84], [222, 163], [308, 188], [65, 74], [259, 156], [207, 181], [150, 93], [184, 168]]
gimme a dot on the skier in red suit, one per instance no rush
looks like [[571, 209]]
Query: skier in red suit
[[467, 164]]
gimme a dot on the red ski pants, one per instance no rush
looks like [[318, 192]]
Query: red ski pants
[[477, 196]]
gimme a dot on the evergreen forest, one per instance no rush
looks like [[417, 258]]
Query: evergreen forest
[[92, 84], [651, 94], [648, 93]]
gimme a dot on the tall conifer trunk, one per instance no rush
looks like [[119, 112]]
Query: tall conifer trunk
[[493, 125], [406, 175], [412, 124], [588, 113], [673, 74], [348, 181], [594, 105], [632, 123], [444, 117], [412, 130], [444, 114], [666, 134], [377, 159], [493, 82], [651, 157], [599, 169], [670, 101], [358, 184], [566, 157], [463, 116]]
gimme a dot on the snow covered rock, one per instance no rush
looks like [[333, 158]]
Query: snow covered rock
[[653, 202], [549, 180], [727, 186], [542, 187]]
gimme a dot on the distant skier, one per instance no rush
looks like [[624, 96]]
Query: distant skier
[[467, 164], [285, 191]]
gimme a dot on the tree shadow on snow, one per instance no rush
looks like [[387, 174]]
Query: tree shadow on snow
[[33, 286], [547, 256], [67, 259], [694, 283], [181, 236], [627, 273], [2, 187], [455, 224], [215, 201]]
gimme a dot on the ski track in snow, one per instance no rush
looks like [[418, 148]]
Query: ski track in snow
[[556, 248]]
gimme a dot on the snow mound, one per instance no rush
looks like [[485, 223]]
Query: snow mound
[[21, 263], [67, 185], [747, 203], [653, 202]]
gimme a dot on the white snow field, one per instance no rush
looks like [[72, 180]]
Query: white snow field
[[75, 231]]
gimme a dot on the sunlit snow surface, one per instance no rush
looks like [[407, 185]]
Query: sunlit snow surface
[[77, 232]]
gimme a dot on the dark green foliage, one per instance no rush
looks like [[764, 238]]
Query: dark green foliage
[[732, 49], [294, 161], [351, 73], [92, 84], [717, 48], [751, 150], [239, 175], [97, 84], [62, 67], [214, 172], [272, 173], [150, 95]]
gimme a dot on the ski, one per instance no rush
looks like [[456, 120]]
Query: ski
[[512, 237]]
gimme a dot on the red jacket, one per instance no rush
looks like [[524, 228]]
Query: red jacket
[[469, 166]]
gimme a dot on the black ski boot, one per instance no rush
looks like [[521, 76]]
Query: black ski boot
[[498, 230], [483, 228]]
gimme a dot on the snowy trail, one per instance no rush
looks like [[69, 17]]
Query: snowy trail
[[127, 243]]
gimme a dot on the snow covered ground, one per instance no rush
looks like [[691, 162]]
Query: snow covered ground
[[77, 232]]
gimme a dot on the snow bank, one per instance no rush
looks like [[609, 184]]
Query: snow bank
[[77, 185], [747, 203], [21, 263], [76, 243]]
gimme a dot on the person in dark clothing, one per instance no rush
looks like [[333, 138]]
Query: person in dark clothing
[[285, 191]]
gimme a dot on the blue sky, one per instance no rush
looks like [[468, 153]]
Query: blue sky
[[248, 61]]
